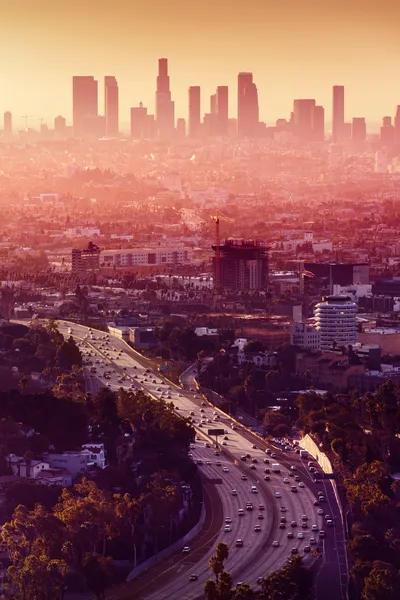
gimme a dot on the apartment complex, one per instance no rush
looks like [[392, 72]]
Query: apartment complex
[[86, 260], [145, 257], [335, 319]]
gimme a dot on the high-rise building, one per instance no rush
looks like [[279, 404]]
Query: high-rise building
[[139, 122], [222, 109], [397, 127], [85, 104], [60, 126], [213, 104], [358, 130], [111, 107], [248, 111], [335, 319], [87, 260], [7, 132], [303, 119], [165, 107], [194, 111], [243, 265], [338, 113], [181, 128], [319, 124], [387, 132]]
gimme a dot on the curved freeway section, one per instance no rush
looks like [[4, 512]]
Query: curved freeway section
[[266, 547]]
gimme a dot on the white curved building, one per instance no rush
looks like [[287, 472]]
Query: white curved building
[[335, 319]]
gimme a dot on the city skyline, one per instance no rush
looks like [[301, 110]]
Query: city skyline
[[287, 61]]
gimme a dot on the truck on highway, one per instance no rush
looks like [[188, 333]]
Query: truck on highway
[[275, 468], [303, 454]]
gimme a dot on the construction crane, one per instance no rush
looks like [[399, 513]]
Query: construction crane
[[217, 218], [26, 117]]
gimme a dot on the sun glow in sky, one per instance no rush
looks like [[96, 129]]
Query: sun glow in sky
[[295, 48]]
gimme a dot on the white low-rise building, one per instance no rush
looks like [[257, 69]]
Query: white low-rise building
[[305, 336], [145, 257], [97, 454]]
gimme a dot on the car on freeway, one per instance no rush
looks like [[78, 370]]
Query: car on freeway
[[261, 507], [283, 509], [253, 467], [267, 478], [227, 528], [249, 506], [293, 524], [307, 549], [297, 478], [254, 447], [301, 484], [290, 535], [268, 451], [304, 525], [208, 462], [267, 470], [273, 455], [278, 495], [225, 469], [321, 534], [275, 544], [320, 511], [329, 523], [257, 528], [244, 478], [218, 463], [254, 490], [193, 577], [234, 493], [313, 541], [304, 518], [282, 525], [316, 502], [239, 543], [294, 551], [241, 512], [286, 480], [266, 461], [300, 535], [314, 528], [260, 517], [228, 520], [185, 549]]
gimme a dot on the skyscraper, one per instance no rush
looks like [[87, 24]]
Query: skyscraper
[[387, 132], [358, 130], [213, 104], [303, 119], [248, 114], [7, 133], [319, 124], [397, 127], [85, 103], [338, 113], [60, 126], [165, 108], [222, 109], [111, 106], [194, 111]]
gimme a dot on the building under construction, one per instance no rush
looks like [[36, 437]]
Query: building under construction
[[240, 265]]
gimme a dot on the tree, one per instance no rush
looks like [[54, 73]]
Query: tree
[[97, 572], [383, 583], [68, 355]]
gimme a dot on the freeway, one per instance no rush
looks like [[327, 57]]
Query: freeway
[[272, 498]]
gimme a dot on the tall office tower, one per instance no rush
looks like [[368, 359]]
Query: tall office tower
[[358, 130], [338, 113], [213, 104], [111, 108], [87, 260], [319, 124], [7, 133], [181, 128], [336, 320], [139, 122], [248, 113], [60, 126], [85, 104], [194, 111], [397, 127], [222, 109], [303, 119], [387, 132], [165, 108]]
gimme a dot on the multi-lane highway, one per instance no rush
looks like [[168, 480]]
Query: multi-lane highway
[[266, 545]]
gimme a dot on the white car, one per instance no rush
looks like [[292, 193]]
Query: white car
[[278, 495], [186, 549], [286, 480], [301, 484], [300, 535], [254, 490], [227, 528], [275, 544], [225, 469]]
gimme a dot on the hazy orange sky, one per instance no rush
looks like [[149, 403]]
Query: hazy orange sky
[[295, 48]]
